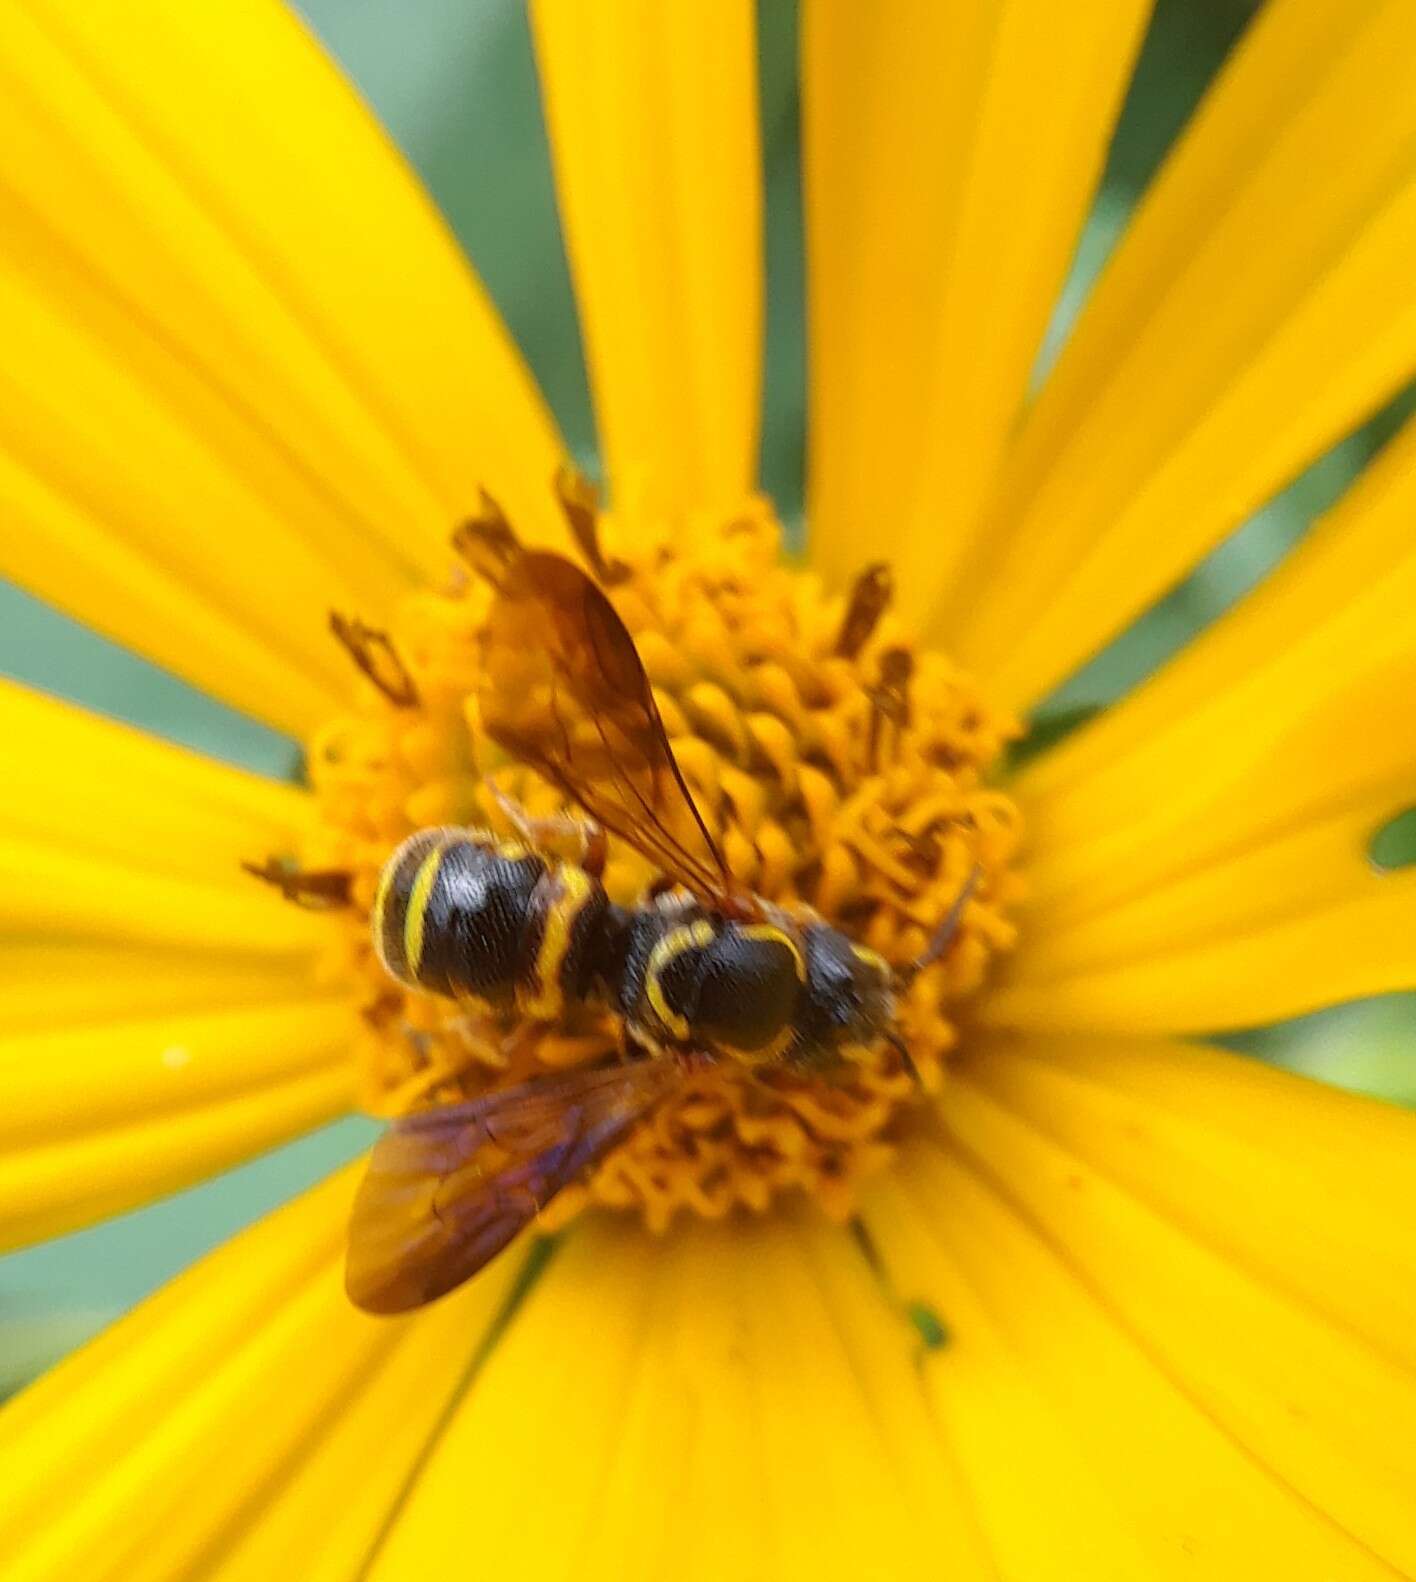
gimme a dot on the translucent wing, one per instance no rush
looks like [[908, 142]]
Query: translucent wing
[[565, 692], [447, 1189]]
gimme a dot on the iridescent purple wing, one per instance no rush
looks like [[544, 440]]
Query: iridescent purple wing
[[447, 1189]]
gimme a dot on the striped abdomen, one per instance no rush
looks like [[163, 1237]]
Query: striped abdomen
[[460, 913]]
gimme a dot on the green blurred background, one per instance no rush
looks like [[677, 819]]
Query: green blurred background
[[455, 84]]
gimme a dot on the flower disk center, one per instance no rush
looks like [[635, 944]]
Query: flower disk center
[[841, 770]]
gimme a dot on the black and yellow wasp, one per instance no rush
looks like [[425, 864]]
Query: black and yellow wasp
[[699, 973]]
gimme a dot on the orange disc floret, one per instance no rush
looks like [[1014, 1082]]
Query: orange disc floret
[[840, 770]]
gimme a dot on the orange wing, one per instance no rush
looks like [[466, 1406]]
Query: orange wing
[[565, 691], [447, 1189]]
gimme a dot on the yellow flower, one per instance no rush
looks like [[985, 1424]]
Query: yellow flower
[[1129, 1305]]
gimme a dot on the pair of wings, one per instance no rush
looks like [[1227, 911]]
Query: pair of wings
[[564, 691]]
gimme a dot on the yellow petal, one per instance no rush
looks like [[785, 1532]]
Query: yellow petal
[[950, 154], [1011, 1440], [97, 1119], [1200, 853], [652, 111], [79, 781], [110, 838], [1204, 1418], [46, 984], [47, 893], [1260, 305], [1275, 932], [1201, 1133], [244, 1422], [1299, 1379], [730, 1401], [247, 373]]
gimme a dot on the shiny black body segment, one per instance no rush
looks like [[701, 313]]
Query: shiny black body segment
[[461, 914]]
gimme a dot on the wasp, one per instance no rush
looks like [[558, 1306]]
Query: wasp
[[701, 972]]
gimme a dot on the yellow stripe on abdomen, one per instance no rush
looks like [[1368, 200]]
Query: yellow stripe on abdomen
[[689, 936], [417, 910], [378, 917], [546, 999], [777, 936]]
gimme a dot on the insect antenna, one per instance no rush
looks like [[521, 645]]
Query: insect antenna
[[942, 935], [902, 1049]]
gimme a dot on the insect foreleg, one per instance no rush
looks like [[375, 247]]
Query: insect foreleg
[[536, 831]]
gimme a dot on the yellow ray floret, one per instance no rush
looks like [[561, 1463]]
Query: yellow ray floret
[[179, 297], [78, 781], [1201, 853], [1077, 1364], [1252, 315], [99, 1118], [628, 1346], [652, 111], [229, 1413], [951, 152]]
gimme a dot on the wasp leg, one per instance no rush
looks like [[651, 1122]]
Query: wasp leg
[[944, 934], [373, 652], [316, 889], [594, 849], [635, 1046], [489, 1042], [666, 897], [482, 1044]]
